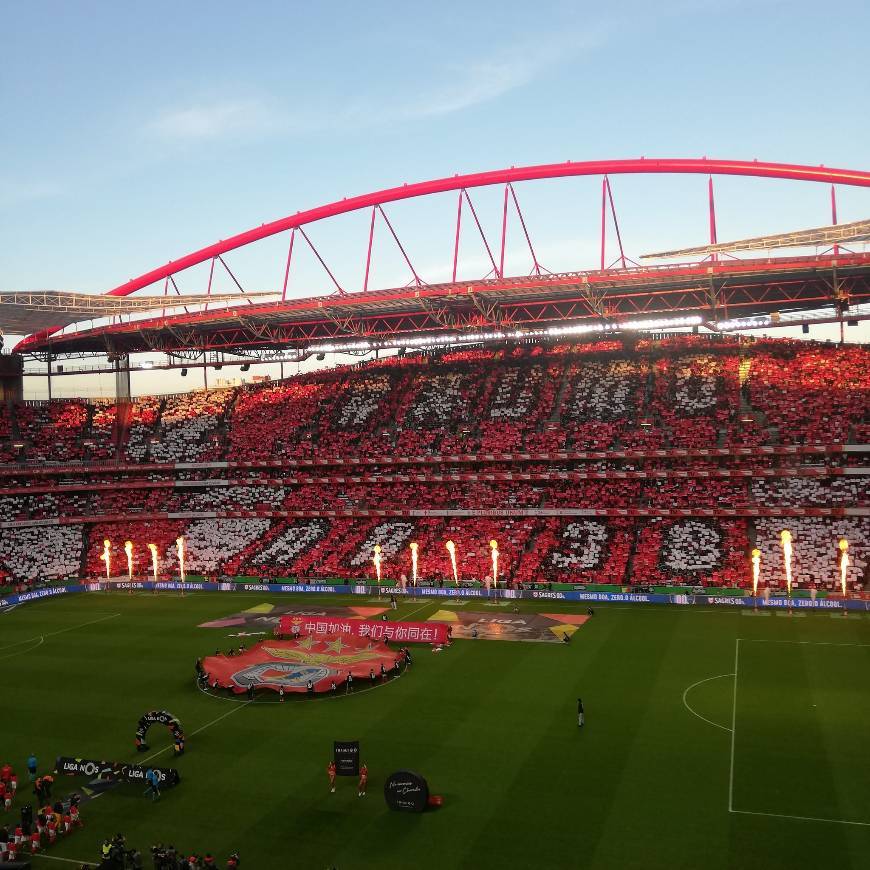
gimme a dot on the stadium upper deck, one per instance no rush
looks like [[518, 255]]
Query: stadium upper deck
[[660, 460]]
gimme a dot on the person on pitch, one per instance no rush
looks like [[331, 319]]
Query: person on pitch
[[330, 769], [153, 780], [31, 767], [581, 715], [363, 780], [349, 683]]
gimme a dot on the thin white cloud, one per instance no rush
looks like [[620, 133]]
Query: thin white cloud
[[455, 88], [480, 83], [487, 79], [213, 121]]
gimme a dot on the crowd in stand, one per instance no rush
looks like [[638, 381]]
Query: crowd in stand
[[599, 395], [684, 392]]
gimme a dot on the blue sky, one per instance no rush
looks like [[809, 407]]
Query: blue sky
[[135, 133]]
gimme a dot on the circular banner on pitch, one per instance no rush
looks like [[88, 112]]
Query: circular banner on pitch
[[406, 791]]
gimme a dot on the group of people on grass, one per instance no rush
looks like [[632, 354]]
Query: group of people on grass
[[383, 673], [31, 835], [331, 772], [170, 858], [115, 853]]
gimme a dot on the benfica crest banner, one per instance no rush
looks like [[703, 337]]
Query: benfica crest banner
[[292, 665], [401, 632]]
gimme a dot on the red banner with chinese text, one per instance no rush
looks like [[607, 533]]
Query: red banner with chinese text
[[401, 632]]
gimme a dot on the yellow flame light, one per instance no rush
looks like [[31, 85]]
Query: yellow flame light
[[451, 548], [179, 548], [844, 563], [107, 557], [756, 567], [414, 545], [785, 539], [153, 549], [377, 561], [494, 547], [128, 549]]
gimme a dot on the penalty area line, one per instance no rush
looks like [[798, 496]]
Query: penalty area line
[[21, 652], [39, 639], [733, 725], [800, 818], [800, 642], [695, 712]]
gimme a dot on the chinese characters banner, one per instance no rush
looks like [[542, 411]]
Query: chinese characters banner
[[401, 632]]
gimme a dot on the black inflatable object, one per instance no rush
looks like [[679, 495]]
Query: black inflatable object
[[159, 717], [406, 791]]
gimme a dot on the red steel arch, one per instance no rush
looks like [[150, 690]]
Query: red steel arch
[[635, 166]]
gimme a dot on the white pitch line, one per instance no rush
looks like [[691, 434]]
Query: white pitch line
[[661, 608], [21, 642], [41, 637], [417, 610], [81, 625], [694, 712], [41, 640], [733, 725], [66, 860], [801, 818], [198, 731], [801, 642]]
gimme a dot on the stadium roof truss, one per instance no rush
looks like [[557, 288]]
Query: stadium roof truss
[[713, 290], [25, 311]]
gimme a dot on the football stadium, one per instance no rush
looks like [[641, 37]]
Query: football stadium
[[509, 562]]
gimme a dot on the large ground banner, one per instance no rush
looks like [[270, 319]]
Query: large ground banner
[[540, 627], [293, 664], [370, 629]]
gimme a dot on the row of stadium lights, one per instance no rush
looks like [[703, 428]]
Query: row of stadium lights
[[785, 538]]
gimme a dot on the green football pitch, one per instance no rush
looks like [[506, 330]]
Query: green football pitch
[[681, 764]]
